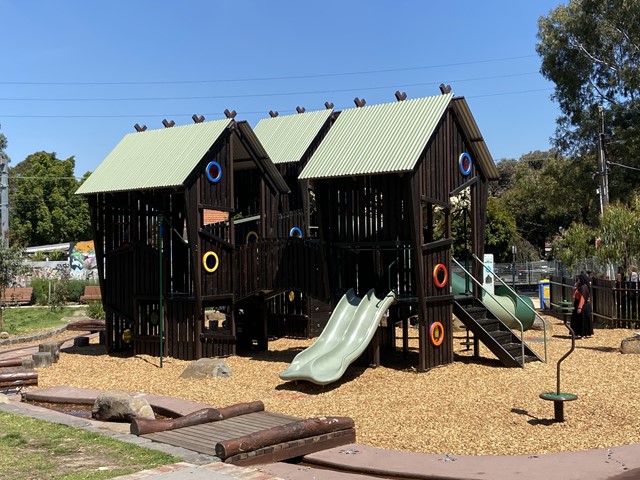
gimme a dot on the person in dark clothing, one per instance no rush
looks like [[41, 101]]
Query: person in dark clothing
[[581, 320]]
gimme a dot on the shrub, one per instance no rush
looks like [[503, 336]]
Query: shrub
[[44, 288], [95, 310]]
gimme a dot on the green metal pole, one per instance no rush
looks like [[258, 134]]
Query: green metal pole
[[160, 301]]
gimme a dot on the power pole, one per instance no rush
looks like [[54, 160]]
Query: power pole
[[603, 179], [4, 195]]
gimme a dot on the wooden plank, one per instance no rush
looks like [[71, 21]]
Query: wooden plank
[[141, 426], [202, 438]]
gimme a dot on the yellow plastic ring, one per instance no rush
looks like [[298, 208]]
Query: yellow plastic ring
[[436, 334], [205, 264], [251, 237], [437, 271]]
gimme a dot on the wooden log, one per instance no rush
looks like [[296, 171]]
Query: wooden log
[[11, 362], [14, 379], [140, 426], [42, 359], [282, 433], [52, 348], [238, 409]]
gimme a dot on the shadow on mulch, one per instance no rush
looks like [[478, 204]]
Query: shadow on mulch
[[534, 420], [91, 350], [309, 388]]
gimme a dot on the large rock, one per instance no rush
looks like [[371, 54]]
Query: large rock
[[206, 368], [630, 345], [4, 335], [118, 406]]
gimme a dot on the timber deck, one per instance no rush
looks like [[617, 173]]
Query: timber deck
[[203, 438]]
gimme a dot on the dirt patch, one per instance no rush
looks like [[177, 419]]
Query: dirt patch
[[473, 406]]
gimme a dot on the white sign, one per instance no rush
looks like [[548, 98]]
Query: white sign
[[488, 278]]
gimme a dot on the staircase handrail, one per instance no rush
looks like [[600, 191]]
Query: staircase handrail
[[495, 276], [468, 274]]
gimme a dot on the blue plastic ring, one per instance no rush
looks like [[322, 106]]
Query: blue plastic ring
[[295, 232], [465, 163], [218, 171]]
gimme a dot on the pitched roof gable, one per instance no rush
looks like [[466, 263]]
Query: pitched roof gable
[[154, 158], [377, 139], [286, 138]]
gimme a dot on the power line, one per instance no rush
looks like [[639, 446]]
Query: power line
[[219, 115], [268, 94], [628, 167], [288, 77]]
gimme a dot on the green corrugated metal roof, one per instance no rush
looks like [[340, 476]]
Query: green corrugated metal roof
[[154, 158], [286, 138], [377, 139]]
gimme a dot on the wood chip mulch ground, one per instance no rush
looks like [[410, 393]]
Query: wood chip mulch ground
[[470, 407]]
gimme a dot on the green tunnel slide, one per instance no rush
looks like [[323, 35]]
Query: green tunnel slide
[[503, 301]]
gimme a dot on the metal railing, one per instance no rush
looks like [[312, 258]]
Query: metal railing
[[468, 275], [496, 277], [517, 321]]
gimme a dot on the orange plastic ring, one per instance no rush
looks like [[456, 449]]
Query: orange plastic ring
[[436, 334], [440, 268]]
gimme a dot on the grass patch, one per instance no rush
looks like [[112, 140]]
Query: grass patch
[[25, 320], [31, 448]]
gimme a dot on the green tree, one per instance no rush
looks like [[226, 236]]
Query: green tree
[[575, 245], [11, 265], [44, 207], [551, 192], [619, 234], [590, 50], [500, 232]]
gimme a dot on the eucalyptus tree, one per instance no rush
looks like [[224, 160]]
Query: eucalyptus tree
[[590, 50]]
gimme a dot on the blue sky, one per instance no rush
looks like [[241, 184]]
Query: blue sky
[[76, 76]]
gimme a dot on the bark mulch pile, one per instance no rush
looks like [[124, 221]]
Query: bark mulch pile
[[470, 407]]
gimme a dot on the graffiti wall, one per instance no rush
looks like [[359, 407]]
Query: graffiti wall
[[80, 265], [82, 261]]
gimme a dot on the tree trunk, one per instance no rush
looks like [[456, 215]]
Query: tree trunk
[[52, 348], [140, 426], [282, 433], [42, 359]]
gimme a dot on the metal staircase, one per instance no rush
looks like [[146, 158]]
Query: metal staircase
[[492, 332]]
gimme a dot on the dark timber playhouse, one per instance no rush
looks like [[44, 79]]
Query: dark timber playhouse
[[299, 210]]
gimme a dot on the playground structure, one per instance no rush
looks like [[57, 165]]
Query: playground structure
[[217, 215]]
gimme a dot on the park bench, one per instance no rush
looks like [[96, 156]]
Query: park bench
[[87, 326], [91, 292], [18, 296]]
